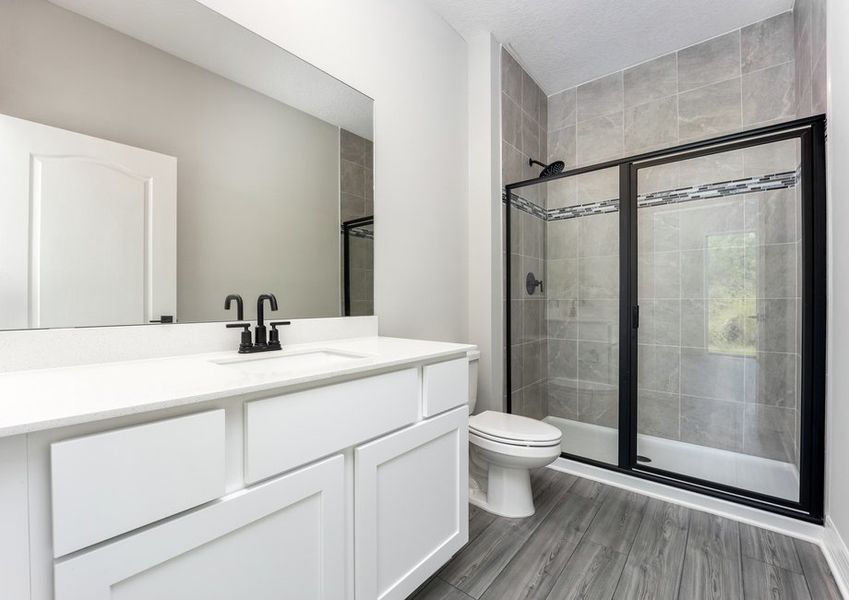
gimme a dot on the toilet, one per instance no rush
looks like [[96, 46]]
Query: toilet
[[503, 448]]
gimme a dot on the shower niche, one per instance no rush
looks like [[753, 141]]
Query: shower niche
[[678, 335]]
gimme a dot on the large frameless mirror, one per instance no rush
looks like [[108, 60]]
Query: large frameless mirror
[[156, 157]]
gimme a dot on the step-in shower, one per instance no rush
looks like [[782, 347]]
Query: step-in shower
[[667, 312]]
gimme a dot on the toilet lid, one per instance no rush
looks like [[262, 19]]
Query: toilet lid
[[513, 428]]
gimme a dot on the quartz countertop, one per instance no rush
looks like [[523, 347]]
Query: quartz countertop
[[49, 398]]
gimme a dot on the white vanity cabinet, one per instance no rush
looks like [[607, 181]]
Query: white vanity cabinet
[[284, 538], [349, 489], [411, 499]]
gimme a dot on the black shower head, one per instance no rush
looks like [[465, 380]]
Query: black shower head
[[548, 170]]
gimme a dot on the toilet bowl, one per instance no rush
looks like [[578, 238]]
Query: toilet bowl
[[503, 448]]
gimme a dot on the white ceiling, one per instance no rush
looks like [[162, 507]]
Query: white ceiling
[[189, 30], [562, 43]]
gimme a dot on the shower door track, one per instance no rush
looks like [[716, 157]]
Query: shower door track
[[811, 134]]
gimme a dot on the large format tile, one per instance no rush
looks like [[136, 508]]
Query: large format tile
[[717, 59], [710, 111], [772, 216], [599, 97], [598, 320], [562, 109], [713, 168], [562, 274], [651, 80], [562, 319], [598, 235], [598, 186], [767, 43], [598, 362], [769, 95], [712, 423], [561, 192], [563, 358], [651, 126], [562, 397], [531, 97], [511, 77], [600, 139], [771, 379], [531, 137], [658, 414], [562, 238], [598, 403], [659, 368], [703, 221], [711, 375], [599, 277], [769, 431], [511, 121], [562, 145]]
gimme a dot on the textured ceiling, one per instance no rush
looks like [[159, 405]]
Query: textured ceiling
[[562, 43]]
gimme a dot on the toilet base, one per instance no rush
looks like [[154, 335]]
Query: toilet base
[[508, 493]]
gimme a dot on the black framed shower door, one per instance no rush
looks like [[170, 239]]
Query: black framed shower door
[[808, 135]]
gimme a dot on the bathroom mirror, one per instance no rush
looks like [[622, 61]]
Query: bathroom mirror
[[156, 156]]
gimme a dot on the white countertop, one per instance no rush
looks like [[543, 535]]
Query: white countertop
[[48, 398]]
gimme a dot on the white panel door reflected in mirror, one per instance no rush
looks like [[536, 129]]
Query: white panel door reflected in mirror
[[274, 157]]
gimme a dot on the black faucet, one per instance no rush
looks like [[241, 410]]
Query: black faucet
[[260, 316], [240, 306], [263, 342]]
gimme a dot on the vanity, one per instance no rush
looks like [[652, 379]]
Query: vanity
[[334, 469]]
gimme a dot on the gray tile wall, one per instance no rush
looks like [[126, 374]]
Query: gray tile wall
[[738, 80], [719, 300], [809, 17], [524, 114], [357, 200], [581, 318], [742, 79]]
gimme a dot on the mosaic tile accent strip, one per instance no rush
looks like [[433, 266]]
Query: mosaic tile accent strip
[[775, 181]]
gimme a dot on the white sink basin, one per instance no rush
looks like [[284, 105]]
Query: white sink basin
[[281, 363]]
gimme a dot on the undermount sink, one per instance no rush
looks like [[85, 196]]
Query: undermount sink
[[276, 363]]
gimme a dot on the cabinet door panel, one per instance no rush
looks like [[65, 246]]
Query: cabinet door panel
[[411, 505], [446, 385], [282, 539]]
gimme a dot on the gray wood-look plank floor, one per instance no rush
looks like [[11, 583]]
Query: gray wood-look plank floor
[[591, 541]]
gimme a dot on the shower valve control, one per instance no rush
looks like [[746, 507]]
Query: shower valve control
[[531, 283]]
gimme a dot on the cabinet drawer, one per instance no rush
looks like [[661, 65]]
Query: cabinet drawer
[[292, 430], [446, 386], [109, 483], [284, 538]]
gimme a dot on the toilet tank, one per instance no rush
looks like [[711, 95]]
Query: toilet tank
[[474, 358]]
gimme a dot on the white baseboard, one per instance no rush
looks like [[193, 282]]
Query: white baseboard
[[730, 510], [837, 556]]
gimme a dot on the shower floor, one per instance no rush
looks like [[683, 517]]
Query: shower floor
[[771, 477]]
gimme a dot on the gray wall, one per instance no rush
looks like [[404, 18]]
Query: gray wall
[[743, 79], [523, 128], [258, 187]]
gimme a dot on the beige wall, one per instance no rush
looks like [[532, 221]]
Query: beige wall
[[258, 206]]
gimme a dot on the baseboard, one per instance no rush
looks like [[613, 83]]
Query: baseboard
[[837, 555], [730, 510]]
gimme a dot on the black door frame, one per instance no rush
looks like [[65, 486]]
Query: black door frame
[[811, 133]]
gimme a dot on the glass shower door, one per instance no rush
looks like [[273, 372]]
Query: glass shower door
[[719, 288]]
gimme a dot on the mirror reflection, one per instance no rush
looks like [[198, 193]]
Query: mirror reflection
[[156, 157]]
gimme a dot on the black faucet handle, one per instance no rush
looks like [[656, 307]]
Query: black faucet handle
[[274, 336], [246, 343]]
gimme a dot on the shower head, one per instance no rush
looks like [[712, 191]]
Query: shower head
[[548, 170]]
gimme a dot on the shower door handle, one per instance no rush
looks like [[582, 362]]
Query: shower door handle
[[635, 316]]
